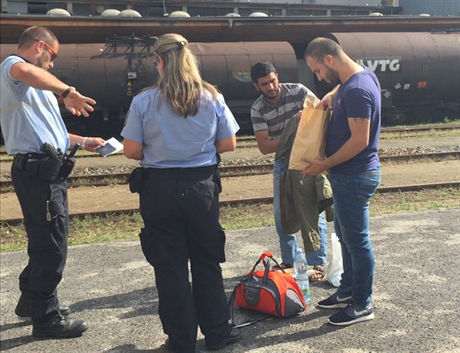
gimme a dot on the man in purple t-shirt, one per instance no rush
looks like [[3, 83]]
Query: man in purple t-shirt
[[352, 161]]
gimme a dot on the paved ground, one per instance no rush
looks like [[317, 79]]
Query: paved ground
[[111, 286]]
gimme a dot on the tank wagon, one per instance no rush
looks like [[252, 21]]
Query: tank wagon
[[419, 74]]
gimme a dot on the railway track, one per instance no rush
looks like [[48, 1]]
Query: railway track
[[249, 201], [120, 178], [250, 140], [226, 171], [388, 130]]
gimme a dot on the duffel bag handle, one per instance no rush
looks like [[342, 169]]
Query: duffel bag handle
[[266, 258], [264, 255], [266, 263], [270, 256]]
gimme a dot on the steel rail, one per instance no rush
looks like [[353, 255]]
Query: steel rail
[[418, 156], [231, 170], [419, 129], [250, 201], [92, 155], [252, 138], [225, 171], [387, 130]]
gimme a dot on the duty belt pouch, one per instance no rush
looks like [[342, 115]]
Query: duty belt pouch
[[20, 161], [68, 164], [135, 180], [217, 180], [66, 168], [31, 167], [48, 169]]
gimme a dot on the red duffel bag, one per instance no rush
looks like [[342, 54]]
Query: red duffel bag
[[271, 292]]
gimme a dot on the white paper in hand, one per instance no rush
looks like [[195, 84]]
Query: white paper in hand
[[111, 146]]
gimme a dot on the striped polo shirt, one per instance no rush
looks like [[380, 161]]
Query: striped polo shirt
[[269, 117]]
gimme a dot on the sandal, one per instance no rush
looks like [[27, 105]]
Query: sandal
[[281, 266], [317, 274]]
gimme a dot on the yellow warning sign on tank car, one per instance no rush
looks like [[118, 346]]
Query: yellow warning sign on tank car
[[129, 89]]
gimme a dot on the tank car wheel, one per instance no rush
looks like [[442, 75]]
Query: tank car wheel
[[394, 116]]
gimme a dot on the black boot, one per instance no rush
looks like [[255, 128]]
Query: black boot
[[235, 336], [23, 307], [60, 327], [170, 348]]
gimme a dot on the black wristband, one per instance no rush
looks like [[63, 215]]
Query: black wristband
[[67, 91]]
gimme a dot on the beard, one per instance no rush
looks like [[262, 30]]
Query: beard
[[271, 94], [41, 61], [332, 77]]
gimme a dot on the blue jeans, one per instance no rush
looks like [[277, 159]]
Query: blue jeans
[[351, 221], [288, 243]]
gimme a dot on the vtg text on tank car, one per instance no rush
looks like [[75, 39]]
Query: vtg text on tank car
[[416, 70], [419, 72]]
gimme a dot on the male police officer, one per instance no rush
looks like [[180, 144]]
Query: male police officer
[[34, 132]]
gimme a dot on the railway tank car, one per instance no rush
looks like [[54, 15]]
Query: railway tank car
[[417, 71], [112, 74]]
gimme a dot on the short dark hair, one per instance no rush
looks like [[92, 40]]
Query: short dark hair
[[31, 34], [261, 69], [320, 47]]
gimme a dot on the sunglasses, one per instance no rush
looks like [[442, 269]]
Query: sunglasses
[[53, 52], [155, 62]]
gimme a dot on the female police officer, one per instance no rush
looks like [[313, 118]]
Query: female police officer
[[177, 129]]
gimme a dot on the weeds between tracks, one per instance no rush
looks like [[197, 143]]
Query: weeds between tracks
[[89, 230]]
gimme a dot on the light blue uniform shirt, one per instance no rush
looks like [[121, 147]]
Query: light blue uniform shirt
[[171, 141], [29, 117]]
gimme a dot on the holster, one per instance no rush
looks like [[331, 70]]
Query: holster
[[135, 180], [48, 169]]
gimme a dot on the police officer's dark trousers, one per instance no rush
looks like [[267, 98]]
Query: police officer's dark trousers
[[180, 208], [45, 209]]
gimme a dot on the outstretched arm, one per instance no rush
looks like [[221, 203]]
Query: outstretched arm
[[36, 77], [86, 143]]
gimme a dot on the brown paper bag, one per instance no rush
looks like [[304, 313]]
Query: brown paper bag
[[310, 140]]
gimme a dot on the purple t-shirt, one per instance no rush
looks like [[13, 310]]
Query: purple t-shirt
[[359, 97]]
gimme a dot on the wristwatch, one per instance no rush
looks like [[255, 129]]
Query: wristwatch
[[67, 91]]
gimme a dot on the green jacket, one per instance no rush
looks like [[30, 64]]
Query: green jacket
[[302, 197]]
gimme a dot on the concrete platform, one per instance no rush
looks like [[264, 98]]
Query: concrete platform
[[112, 287]]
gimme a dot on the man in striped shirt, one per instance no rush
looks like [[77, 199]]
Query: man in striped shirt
[[269, 114]]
